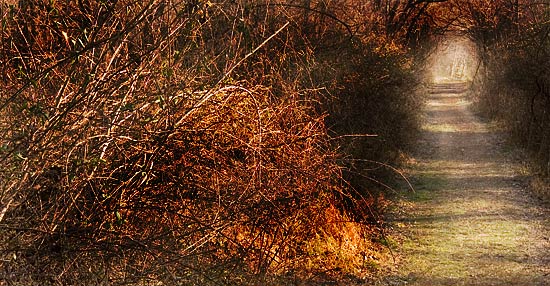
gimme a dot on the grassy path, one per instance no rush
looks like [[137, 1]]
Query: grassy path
[[470, 221]]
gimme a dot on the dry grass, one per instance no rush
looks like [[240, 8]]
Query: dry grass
[[541, 188]]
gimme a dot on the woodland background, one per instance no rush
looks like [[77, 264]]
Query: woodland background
[[191, 142]]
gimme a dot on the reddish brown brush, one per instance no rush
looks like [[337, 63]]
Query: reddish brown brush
[[187, 141]]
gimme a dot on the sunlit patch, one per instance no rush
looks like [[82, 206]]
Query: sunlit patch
[[455, 128], [453, 103], [459, 169]]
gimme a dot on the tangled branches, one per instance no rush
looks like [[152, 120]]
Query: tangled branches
[[183, 142]]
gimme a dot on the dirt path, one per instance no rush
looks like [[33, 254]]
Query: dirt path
[[470, 221]]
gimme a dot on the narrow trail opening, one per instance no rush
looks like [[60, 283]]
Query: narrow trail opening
[[470, 221]]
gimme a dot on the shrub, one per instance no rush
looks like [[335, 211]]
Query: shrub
[[187, 142]]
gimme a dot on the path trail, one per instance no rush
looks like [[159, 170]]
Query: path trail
[[470, 221]]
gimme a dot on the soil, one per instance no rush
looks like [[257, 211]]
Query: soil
[[471, 219]]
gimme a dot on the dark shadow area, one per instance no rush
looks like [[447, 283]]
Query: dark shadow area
[[484, 183], [461, 143]]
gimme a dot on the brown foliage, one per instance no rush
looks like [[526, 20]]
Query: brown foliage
[[187, 142]]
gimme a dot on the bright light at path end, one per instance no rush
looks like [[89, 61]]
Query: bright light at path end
[[455, 59]]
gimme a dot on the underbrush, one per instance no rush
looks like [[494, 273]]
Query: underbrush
[[514, 85], [193, 143]]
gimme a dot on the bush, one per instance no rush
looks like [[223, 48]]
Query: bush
[[187, 142], [517, 79]]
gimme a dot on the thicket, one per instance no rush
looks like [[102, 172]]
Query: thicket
[[197, 143], [514, 47]]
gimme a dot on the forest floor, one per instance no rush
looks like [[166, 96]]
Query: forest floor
[[471, 220]]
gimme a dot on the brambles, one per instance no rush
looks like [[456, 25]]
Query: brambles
[[190, 141]]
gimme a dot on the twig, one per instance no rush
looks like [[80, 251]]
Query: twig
[[354, 135], [333, 17], [389, 167], [210, 93], [5, 209]]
